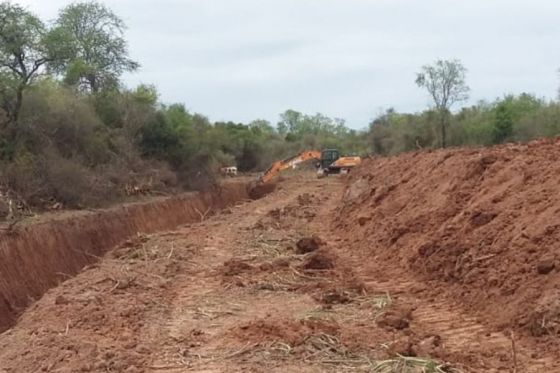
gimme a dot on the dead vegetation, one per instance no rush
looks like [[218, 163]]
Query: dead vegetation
[[329, 351], [406, 364]]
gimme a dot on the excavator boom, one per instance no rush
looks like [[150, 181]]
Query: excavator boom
[[279, 166]]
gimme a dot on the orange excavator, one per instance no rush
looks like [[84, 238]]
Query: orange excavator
[[329, 162]]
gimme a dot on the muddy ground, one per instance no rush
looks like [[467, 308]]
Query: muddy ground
[[292, 282]]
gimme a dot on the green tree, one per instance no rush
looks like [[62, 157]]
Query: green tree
[[503, 123], [99, 52], [25, 47], [262, 127], [145, 94], [159, 140], [445, 83], [289, 122], [508, 112]]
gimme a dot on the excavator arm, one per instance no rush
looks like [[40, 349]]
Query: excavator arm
[[279, 166]]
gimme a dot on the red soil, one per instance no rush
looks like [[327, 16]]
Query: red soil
[[38, 257], [480, 225]]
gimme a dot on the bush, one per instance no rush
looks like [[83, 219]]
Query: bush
[[64, 152], [512, 118], [71, 183], [23, 175]]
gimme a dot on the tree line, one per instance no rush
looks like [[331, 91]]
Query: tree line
[[72, 134]]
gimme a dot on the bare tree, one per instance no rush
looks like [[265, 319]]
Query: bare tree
[[445, 82]]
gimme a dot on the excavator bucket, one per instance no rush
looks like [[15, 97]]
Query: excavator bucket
[[256, 189]]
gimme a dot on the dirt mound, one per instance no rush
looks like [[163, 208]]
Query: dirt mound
[[483, 223], [306, 199], [308, 245], [292, 332], [288, 217], [235, 267], [396, 318], [259, 331], [257, 191]]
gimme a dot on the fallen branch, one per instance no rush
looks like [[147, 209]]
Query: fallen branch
[[115, 287], [485, 257], [513, 352], [171, 251], [166, 367], [203, 216], [244, 350]]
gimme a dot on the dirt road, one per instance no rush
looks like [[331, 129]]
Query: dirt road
[[239, 292]]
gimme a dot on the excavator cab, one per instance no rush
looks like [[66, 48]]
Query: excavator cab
[[328, 157]]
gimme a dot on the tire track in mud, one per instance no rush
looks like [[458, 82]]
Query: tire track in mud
[[207, 308], [463, 335]]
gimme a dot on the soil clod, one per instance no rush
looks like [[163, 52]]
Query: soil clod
[[545, 267], [236, 267], [319, 260], [335, 297], [396, 318], [308, 245]]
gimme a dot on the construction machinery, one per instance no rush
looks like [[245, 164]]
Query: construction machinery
[[229, 171], [329, 161]]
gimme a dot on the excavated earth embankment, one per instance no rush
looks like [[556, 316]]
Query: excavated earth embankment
[[481, 226], [37, 257], [448, 255]]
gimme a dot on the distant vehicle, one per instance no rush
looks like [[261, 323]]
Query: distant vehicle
[[229, 171]]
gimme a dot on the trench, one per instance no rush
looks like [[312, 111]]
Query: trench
[[38, 257]]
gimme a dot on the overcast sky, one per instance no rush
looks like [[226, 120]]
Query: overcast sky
[[246, 59]]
